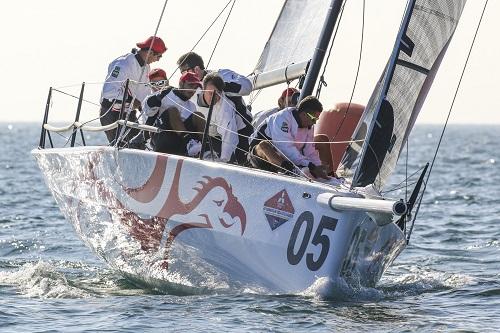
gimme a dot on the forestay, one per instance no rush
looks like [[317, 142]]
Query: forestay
[[424, 36], [294, 36]]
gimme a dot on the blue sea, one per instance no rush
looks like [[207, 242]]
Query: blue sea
[[447, 280]]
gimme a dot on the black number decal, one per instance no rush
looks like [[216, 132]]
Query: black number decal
[[319, 238], [328, 223], [295, 258]]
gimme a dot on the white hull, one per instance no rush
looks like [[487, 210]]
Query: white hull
[[168, 219]]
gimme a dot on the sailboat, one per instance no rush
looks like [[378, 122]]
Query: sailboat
[[172, 220]]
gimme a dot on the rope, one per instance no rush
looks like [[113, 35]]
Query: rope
[[400, 187], [86, 83], [65, 93], [357, 71], [447, 119], [401, 183], [203, 35], [220, 35], [322, 81], [123, 131]]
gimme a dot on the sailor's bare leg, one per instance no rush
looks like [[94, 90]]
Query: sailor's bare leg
[[322, 144], [266, 151]]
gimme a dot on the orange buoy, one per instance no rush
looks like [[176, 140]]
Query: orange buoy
[[343, 115]]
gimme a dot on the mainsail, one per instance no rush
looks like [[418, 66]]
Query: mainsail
[[424, 36], [293, 39]]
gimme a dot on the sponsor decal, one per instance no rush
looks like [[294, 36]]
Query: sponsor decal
[[284, 127], [278, 209], [115, 72]]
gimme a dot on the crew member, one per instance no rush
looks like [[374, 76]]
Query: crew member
[[235, 86], [135, 67], [172, 111], [289, 97], [224, 123], [157, 79], [285, 141]]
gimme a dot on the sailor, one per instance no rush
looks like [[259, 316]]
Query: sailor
[[289, 97], [235, 86], [135, 67], [285, 141], [172, 111], [157, 79], [224, 123]]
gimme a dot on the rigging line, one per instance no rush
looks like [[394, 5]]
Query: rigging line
[[357, 70], [398, 188], [65, 93], [406, 179], [448, 117], [203, 35], [86, 122], [123, 131], [320, 84], [221, 32], [161, 17]]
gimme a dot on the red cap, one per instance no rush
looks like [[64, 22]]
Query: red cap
[[155, 43], [157, 73], [191, 78], [288, 92]]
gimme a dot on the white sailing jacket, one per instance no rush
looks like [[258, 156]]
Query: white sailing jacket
[[119, 70], [163, 100], [225, 123], [289, 138], [261, 116], [236, 84]]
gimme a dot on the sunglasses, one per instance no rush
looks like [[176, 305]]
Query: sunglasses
[[312, 117], [159, 83]]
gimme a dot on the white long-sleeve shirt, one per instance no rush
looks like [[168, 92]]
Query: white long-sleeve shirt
[[261, 116], [225, 123], [163, 100], [295, 142], [236, 84], [128, 66]]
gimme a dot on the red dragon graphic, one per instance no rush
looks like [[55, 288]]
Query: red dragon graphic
[[150, 232]]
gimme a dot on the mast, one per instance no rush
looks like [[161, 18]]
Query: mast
[[321, 48]]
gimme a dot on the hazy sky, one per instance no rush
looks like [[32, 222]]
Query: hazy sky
[[59, 43]]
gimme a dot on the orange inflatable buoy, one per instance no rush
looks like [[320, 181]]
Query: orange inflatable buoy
[[347, 117]]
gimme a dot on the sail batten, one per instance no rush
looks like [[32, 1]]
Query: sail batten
[[398, 97]]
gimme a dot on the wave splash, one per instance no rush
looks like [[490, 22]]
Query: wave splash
[[41, 280], [414, 282]]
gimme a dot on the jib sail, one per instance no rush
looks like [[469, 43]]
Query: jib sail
[[424, 36]]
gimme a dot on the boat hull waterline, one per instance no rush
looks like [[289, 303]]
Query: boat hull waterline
[[166, 219]]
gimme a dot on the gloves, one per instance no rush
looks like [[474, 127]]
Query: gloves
[[193, 147]]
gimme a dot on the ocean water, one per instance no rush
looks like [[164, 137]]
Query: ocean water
[[447, 280]]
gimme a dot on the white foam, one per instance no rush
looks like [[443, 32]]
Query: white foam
[[339, 290], [42, 280], [419, 280]]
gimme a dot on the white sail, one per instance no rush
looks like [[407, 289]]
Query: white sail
[[424, 36], [295, 34]]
